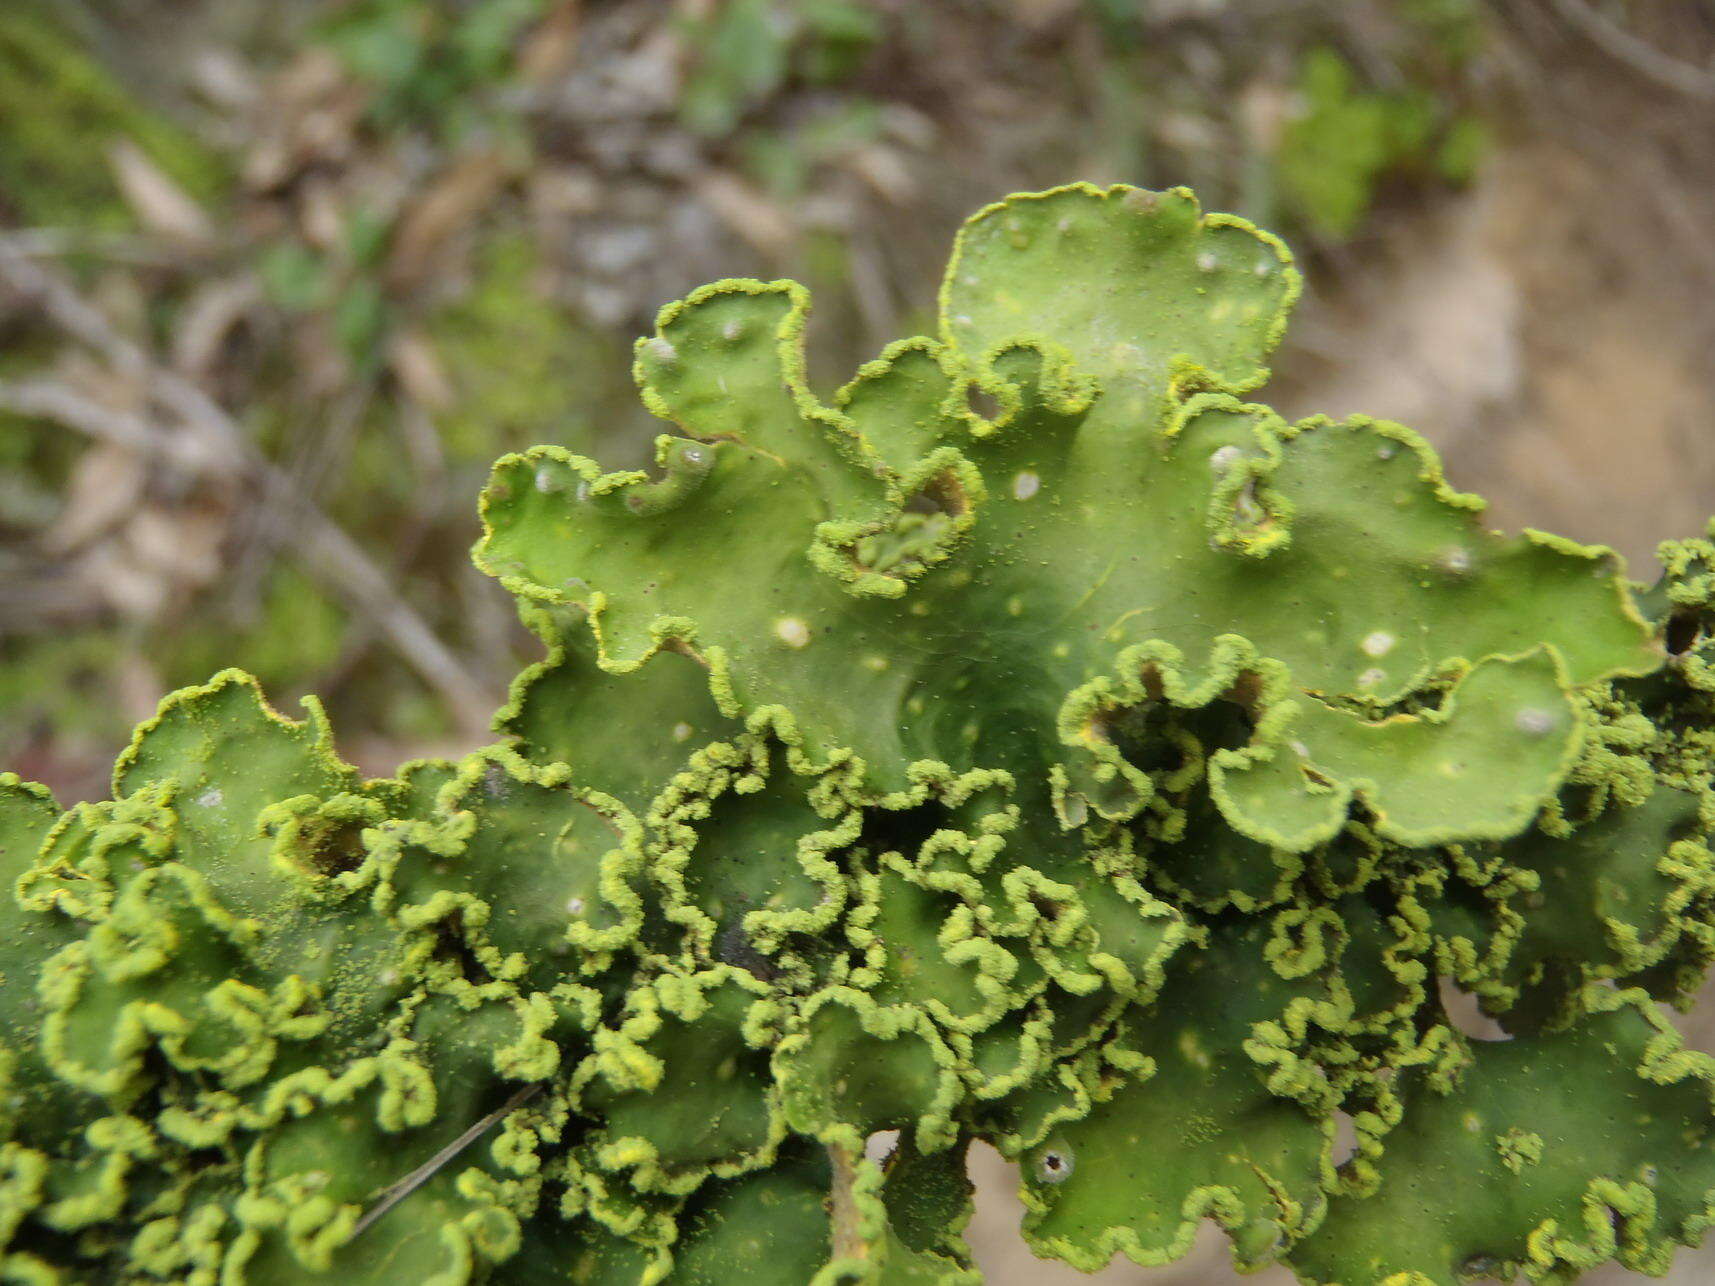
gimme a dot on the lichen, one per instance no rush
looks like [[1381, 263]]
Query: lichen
[[1037, 742]]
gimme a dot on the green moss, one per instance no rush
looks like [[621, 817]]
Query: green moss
[[60, 112], [296, 636], [523, 368], [1347, 140], [54, 680], [1463, 148], [1334, 154], [28, 463], [1455, 28], [36, 457], [747, 50], [428, 65], [785, 160]]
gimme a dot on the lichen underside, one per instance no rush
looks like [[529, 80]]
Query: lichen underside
[[1036, 742]]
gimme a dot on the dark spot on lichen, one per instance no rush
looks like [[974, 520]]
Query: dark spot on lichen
[[1684, 632], [734, 947]]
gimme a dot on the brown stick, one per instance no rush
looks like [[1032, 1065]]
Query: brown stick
[[51, 400], [1642, 57], [846, 1219]]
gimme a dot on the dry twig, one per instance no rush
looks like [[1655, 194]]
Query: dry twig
[[211, 443], [50, 400], [1641, 56], [397, 1192]]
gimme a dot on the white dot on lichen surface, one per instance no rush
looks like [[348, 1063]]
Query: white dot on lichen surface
[[1378, 643], [210, 798], [575, 906], [1054, 1165], [1456, 560], [544, 479], [1026, 485], [732, 330], [791, 631], [1371, 677], [662, 350], [1206, 262], [681, 732], [1224, 458], [1534, 721]]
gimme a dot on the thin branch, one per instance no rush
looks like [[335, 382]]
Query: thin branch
[[30, 597], [218, 445], [394, 1193], [273, 524], [427, 455], [1641, 56], [50, 400], [55, 243], [335, 559], [70, 311]]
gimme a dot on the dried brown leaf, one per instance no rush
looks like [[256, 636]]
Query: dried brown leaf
[[549, 49], [159, 203], [105, 485], [179, 547], [450, 201], [310, 116], [225, 79], [563, 192], [412, 358], [321, 215], [884, 169], [111, 571], [746, 211]]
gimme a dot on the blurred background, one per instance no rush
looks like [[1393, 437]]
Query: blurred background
[[280, 278]]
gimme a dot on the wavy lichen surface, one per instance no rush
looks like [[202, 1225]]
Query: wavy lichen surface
[[1035, 741]]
